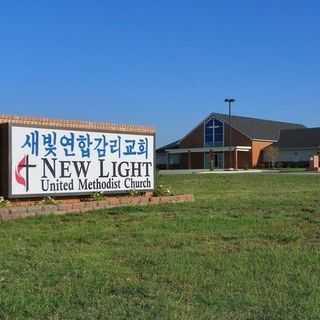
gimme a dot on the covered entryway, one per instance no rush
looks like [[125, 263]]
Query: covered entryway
[[212, 157], [214, 160]]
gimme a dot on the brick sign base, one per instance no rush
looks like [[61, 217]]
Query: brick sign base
[[64, 207]]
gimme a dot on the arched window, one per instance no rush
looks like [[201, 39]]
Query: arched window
[[214, 133], [209, 133], [218, 133]]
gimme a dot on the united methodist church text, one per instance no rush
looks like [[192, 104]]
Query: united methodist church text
[[123, 175], [46, 161]]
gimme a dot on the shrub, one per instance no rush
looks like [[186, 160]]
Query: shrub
[[162, 190], [97, 196], [48, 200], [135, 193], [4, 202]]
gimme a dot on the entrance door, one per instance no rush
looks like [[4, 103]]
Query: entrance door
[[217, 161]]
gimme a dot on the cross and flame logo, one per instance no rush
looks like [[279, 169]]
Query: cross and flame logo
[[24, 165]]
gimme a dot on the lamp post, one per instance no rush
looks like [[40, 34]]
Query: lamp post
[[230, 101]]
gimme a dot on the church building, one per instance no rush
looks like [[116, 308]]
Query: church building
[[223, 142]]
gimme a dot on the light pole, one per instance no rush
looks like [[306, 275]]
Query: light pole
[[230, 101]]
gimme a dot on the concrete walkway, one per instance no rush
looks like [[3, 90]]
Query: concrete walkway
[[220, 171], [204, 171]]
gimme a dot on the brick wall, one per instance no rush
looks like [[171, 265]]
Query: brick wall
[[237, 138], [76, 124], [197, 160], [256, 152], [194, 139], [62, 207]]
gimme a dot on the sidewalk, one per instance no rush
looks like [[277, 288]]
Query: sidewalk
[[221, 171], [207, 171]]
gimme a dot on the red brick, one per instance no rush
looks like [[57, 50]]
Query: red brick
[[102, 204], [64, 207], [4, 212], [77, 207], [88, 205], [148, 194], [50, 207], [60, 212], [154, 200], [76, 124], [113, 201], [60, 207], [144, 201], [15, 215], [34, 209], [16, 210], [67, 201], [124, 199]]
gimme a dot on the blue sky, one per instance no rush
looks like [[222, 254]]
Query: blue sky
[[166, 64]]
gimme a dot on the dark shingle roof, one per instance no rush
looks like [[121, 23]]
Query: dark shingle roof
[[257, 128], [172, 145], [300, 138]]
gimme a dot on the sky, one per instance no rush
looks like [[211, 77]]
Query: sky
[[164, 64]]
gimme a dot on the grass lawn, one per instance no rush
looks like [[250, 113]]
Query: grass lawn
[[247, 248]]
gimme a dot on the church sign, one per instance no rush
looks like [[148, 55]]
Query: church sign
[[48, 161]]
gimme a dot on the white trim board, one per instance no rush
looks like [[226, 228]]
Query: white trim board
[[209, 149]]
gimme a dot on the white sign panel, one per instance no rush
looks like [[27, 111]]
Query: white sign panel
[[50, 161]]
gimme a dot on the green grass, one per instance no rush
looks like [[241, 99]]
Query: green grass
[[247, 248]]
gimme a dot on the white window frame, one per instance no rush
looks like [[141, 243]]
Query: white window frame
[[213, 134]]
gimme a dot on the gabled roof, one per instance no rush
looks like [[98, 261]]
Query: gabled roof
[[259, 129], [300, 138], [172, 145], [253, 128]]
